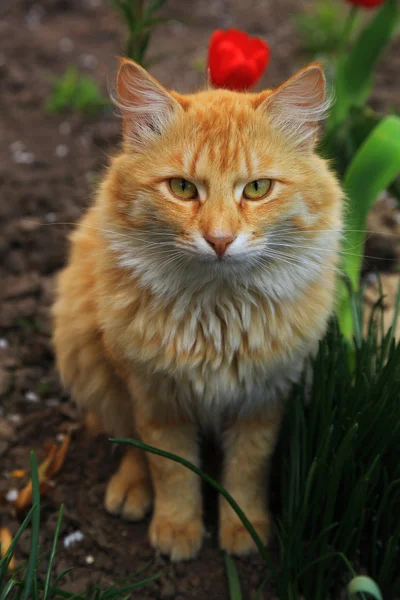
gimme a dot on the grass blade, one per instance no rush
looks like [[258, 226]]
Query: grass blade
[[53, 553], [232, 575], [363, 585], [8, 589], [35, 529], [257, 540]]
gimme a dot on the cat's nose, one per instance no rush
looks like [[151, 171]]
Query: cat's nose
[[219, 243]]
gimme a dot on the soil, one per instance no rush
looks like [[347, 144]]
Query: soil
[[49, 167]]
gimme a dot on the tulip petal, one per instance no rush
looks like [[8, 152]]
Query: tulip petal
[[236, 61]]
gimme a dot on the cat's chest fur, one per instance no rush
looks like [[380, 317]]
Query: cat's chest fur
[[217, 348]]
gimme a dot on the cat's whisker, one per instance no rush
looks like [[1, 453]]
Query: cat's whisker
[[296, 261], [330, 251], [298, 231]]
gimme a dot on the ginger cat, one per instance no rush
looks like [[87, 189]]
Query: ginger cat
[[198, 283]]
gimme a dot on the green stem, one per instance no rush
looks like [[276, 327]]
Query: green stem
[[347, 30]]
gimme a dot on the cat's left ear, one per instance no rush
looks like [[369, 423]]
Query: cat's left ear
[[297, 106], [147, 107]]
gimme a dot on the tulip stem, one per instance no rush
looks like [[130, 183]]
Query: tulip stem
[[347, 30]]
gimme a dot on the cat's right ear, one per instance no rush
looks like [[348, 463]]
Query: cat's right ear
[[147, 107]]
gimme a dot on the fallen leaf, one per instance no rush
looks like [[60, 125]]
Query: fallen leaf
[[59, 457], [46, 470], [5, 542], [18, 473]]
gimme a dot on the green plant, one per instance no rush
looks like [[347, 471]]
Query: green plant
[[76, 92], [25, 583], [363, 585], [365, 147], [338, 469], [339, 477], [140, 18], [320, 27]]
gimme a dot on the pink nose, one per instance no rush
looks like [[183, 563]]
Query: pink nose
[[219, 243]]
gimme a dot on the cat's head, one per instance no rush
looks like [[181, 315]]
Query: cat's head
[[220, 184]]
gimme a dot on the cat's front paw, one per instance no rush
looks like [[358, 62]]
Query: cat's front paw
[[235, 539], [129, 499], [179, 540]]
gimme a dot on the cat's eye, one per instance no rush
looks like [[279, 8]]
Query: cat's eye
[[255, 190], [182, 188]]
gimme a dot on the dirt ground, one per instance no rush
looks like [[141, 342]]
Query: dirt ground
[[49, 166]]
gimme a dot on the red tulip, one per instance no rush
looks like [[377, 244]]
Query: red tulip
[[367, 3], [236, 61]]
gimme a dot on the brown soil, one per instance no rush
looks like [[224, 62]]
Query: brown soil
[[49, 165]]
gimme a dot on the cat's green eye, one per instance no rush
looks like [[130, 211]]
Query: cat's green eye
[[255, 190], [182, 188]]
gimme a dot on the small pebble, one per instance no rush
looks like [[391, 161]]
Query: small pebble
[[21, 157], [16, 146], [3, 343], [31, 397], [88, 61], [50, 217], [89, 559], [73, 538], [12, 495], [65, 128], [14, 418], [62, 150], [66, 45]]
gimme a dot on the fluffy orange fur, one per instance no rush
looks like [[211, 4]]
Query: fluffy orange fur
[[174, 314]]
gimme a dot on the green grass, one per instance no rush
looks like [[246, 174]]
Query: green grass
[[340, 479], [75, 92], [24, 583]]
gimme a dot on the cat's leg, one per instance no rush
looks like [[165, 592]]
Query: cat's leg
[[176, 528], [91, 376], [248, 446], [129, 492]]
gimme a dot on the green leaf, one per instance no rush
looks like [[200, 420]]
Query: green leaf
[[35, 529], [7, 589], [374, 167], [53, 553], [354, 74], [5, 560], [153, 7], [363, 585], [235, 592], [143, 44]]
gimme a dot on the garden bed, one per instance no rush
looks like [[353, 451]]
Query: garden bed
[[49, 167]]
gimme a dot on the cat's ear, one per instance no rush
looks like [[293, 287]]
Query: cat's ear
[[147, 107], [297, 106]]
